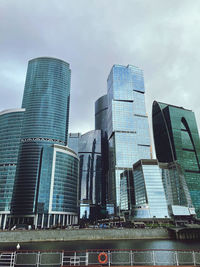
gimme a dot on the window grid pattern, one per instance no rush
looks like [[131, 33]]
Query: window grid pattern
[[10, 134]]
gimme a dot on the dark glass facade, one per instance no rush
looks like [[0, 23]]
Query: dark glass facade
[[10, 134], [101, 113], [128, 129], [46, 99], [90, 189], [127, 195], [176, 139]]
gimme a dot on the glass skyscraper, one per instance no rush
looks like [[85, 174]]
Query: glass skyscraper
[[128, 129], [46, 99], [90, 188], [10, 134], [176, 139], [101, 113]]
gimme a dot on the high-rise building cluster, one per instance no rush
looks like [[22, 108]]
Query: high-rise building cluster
[[50, 178]]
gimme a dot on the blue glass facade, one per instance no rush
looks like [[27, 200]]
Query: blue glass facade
[[128, 129], [46, 99], [10, 134], [73, 141], [58, 189], [150, 196]]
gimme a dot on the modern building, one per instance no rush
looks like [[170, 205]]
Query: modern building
[[101, 113], [128, 129], [10, 134], [150, 199], [127, 194], [90, 189], [73, 141], [177, 193], [177, 140], [58, 188], [46, 99], [101, 123]]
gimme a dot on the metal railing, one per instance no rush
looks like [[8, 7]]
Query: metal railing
[[100, 257]]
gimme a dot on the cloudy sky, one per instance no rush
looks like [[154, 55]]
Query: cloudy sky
[[160, 36]]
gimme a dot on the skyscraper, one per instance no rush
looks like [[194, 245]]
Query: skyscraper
[[46, 99], [10, 134], [128, 129], [90, 189], [176, 139]]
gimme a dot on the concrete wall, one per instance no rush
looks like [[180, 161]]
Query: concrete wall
[[82, 234]]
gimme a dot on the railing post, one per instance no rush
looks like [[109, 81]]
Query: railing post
[[194, 260], [38, 259], [153, 255], [131, 254], [75, 258], [176, 258], [62, 258], [109, 257], [86, 258]]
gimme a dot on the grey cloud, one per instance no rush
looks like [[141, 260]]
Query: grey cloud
[[161, 37]]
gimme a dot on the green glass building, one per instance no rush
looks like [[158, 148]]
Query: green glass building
[[176, 139], [10, 133]]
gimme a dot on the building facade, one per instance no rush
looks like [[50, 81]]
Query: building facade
[[46, 99], [128, 129], [73, 141], [150, 199], [90, 189], [176, 139], [10, 135]]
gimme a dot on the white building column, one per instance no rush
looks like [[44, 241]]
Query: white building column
[[36, 220], [4, 223], [59, 219], [63, 223], [54, 219], [42, 224], [48, 221], [0, 220]]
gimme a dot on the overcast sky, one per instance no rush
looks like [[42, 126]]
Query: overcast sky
[[160, 36]]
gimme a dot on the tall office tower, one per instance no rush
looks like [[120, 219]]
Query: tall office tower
[[150, 196], [10, 133], [101, 113], [90, 185], [46, 99], [128, 129], [176, 139], [101, 123], [73, 141]]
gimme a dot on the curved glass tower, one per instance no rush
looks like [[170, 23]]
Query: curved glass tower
[[58, 189], [46, 99], [176, 139], [10, 133]]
